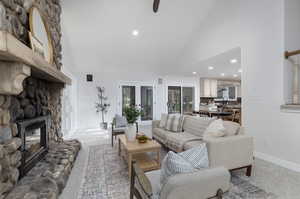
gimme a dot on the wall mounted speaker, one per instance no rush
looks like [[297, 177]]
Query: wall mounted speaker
[[89, 77], [160, 81]]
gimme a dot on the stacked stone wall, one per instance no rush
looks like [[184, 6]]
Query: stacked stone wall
[[38, 98]]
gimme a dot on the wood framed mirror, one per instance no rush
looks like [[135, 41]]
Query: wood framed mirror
[[40, 34]]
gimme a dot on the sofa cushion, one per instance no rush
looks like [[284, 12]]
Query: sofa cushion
[[174, 164], [231, 128], [215, 129], [163, 120], [176, 141], [192, 144], [196, 125], [160, 134], [197, 156]]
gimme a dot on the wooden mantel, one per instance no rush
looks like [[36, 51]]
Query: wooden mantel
[[27, 63]]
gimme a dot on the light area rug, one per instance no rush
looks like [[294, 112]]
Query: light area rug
[[106, 177]]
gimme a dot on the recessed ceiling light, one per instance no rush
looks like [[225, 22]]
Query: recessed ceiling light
[[233, 61], [135, 32], [210, 68], [240, 70], [194, 73], [222, 74], [235, 75]]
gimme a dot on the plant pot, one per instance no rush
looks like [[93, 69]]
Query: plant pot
[[103, 125], [130, 133]]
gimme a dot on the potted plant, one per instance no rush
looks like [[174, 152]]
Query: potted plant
[[131, 113], [102, 106]]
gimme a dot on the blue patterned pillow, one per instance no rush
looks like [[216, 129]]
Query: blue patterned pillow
[[174, 164], [197, 156], [121, 121]]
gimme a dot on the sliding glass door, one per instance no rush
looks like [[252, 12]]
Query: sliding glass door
[[174, 99], [139, 95], [181, 99], [188, 102]]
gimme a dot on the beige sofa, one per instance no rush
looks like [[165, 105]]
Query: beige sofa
[[232, 152]]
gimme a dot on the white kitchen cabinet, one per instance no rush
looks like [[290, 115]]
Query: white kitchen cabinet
[[209, 87]]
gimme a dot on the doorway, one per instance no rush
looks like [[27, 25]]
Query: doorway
[[141, 95]]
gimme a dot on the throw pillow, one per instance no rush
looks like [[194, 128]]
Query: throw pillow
[[231, 128], [163, 120], [120, 121], [180, 125], [197, 156], [174, 123], [215, 129], [174, 164], [169, 122]]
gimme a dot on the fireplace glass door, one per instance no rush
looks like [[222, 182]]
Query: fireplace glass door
[[34, 135], [32, 143]]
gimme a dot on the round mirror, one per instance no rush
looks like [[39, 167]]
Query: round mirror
[[40, 35]]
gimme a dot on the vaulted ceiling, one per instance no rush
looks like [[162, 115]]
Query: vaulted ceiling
[[97, 34]]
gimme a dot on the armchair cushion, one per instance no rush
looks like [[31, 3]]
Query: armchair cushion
[[120, 121], [119, 130], [202, 184]]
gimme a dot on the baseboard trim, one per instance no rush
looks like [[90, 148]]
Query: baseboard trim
[[283, 163]]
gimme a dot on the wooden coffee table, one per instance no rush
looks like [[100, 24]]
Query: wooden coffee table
[[140, 153]]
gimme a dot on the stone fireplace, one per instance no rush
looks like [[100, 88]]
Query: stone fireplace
[[35, 161]]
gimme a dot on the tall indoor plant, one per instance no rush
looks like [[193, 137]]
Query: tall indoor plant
[[102, 106], [132, 114]]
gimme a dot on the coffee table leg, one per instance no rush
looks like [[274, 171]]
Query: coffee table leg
[[119, 146], [158, 157], [129, 164]]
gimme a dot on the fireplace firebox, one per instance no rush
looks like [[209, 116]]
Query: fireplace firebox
[[34, 135]]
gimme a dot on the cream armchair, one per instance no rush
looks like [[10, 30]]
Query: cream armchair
[[203, 184]]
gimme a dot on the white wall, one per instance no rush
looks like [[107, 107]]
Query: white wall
[[87, 95], [257, 26], [69, 104], [263, 29]]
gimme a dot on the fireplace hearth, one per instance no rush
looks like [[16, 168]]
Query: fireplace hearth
[[35, 138]]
